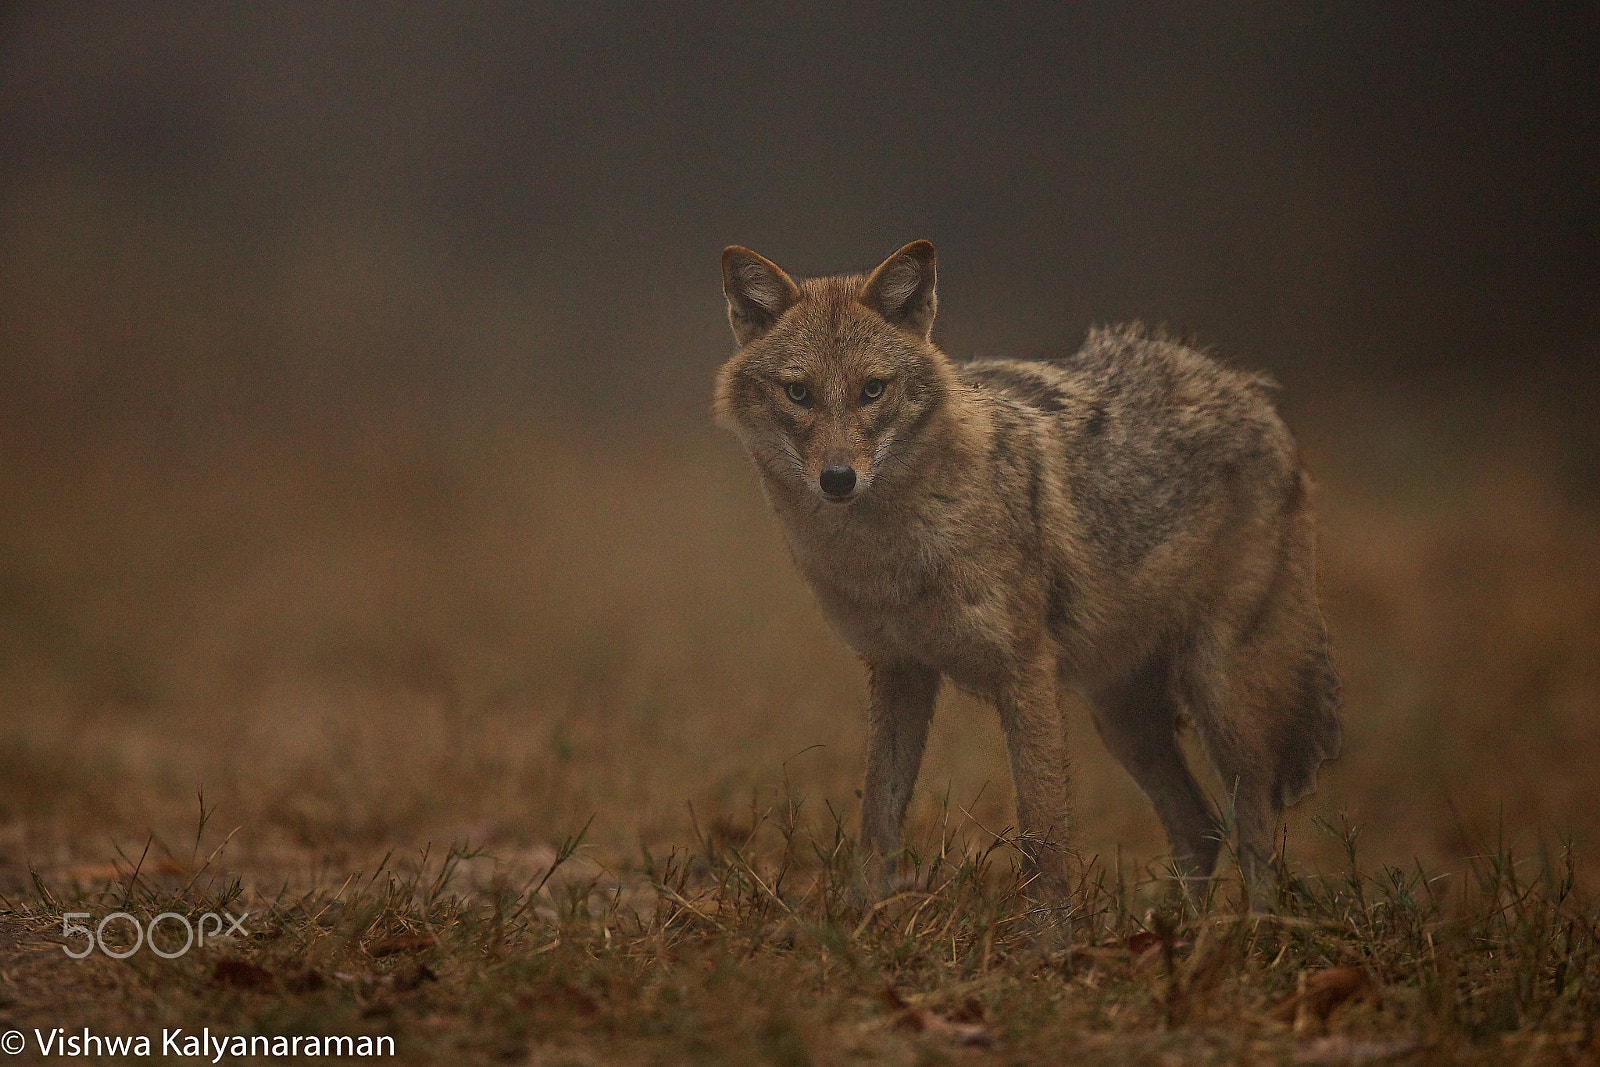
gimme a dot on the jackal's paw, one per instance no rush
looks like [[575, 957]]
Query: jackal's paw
[[876, 880]]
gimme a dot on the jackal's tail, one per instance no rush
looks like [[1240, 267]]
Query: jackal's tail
[[1313, 733]]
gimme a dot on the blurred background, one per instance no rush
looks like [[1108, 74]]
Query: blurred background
[[355, 457]]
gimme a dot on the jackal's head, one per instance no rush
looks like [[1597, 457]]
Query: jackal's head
[[835, 381]]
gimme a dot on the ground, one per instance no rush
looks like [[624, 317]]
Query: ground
[[555, 762]]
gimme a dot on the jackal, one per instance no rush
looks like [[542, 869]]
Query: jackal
[[1130, 521]]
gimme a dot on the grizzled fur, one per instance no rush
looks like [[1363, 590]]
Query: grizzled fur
[[1130, 521]]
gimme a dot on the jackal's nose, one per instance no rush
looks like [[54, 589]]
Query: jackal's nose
[[838, 481]]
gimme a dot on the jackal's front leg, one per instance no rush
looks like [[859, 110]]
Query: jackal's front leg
[[1037, 745], [897, 728]]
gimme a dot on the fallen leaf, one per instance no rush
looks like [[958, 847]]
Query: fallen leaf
[[241, 974], [973, 1034], [393, 946], [971, 1011], [1082, 960], [910, 1019], [1142, 941], [307, 981], [562, 1001], [963, 1027], [1147, 959], [1319, 995], [905, 1016], [366, 983], [1148, 949], [1341, 1049], [418, 977]]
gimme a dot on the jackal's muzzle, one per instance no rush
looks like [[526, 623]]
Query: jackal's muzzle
[[838, 483]]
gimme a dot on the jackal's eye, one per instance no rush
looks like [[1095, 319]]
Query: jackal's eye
[[872, 390], [798, 392]]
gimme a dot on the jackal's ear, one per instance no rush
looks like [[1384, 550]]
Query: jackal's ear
[[901, 289], [758, 292]]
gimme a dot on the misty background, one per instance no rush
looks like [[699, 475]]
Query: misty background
[[355, 368], [532, 197]]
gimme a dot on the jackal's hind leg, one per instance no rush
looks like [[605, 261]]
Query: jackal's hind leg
[[1264, 694], [1267, 721], [1137, 718]]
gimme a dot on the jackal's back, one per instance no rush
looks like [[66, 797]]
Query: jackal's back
[[1130, 520], [1176, 482]]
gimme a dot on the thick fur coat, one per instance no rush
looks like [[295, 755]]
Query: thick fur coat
[[1130, 521]]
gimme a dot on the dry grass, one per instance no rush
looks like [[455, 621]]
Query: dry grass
[[363, 631], [753, 945], [425, 637]]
